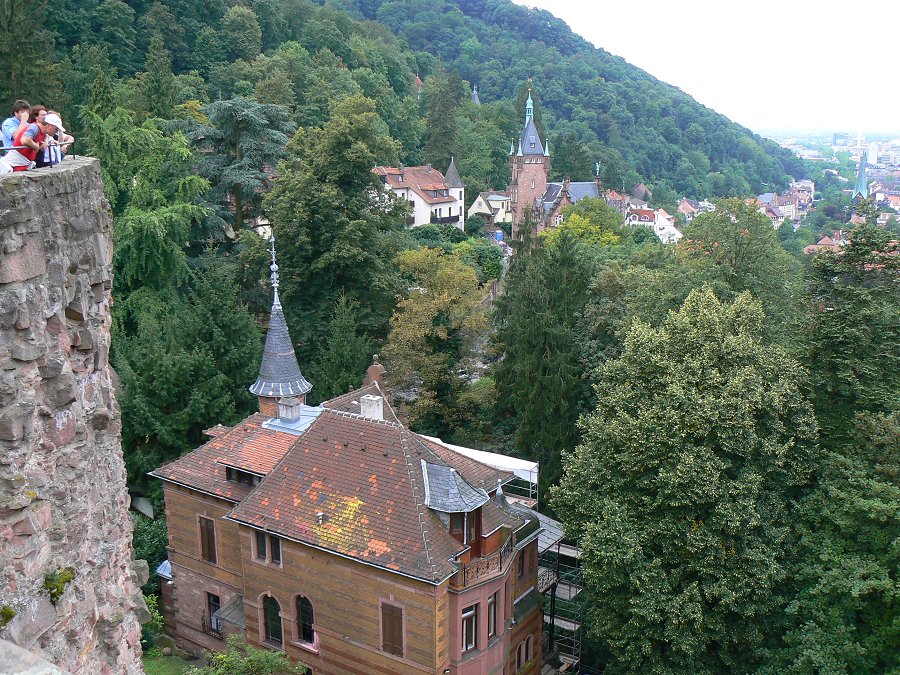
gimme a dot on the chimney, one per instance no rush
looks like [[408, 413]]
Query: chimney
[[371, 407], [289, 408]]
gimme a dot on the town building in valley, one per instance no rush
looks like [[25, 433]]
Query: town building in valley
[[434, 197], [337, 535]]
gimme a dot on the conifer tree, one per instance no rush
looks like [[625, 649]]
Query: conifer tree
[[157, 84], [539, 380], [345, 354]]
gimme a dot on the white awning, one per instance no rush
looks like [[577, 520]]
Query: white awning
[[522, 468]]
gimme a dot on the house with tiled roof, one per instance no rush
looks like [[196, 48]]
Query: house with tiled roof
[[337, 535], [433, 197], [493, 207]]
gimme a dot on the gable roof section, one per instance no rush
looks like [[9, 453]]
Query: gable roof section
[[419, 179], [246, 446]]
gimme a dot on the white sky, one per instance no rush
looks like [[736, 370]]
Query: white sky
[[770, 65]]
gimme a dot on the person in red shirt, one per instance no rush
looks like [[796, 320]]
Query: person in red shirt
[[36, 138]]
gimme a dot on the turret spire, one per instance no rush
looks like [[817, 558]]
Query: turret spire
[[279, 372], [274, 270], [861, 191], [529, 109]]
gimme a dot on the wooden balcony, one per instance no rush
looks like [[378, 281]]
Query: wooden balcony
[[490, 565]]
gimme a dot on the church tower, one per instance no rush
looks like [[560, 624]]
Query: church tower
[[279, 372], [861, 190], [529, 167]]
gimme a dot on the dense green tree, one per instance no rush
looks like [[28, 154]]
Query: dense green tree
[[570, 159], [23, 66], [185, 359], [539, 380], [157, 84], [114, 28], [208, 51], [159, 19], [432, 333], [243, 139], [680, 491], [345, 354], [337, 231], [737, 249], [841, 602], [240, 34], [446, 91], [855, 349], [481, 255]]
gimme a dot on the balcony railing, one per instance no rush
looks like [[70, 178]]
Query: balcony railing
[[444, 219], [489, 565], [211, 627]]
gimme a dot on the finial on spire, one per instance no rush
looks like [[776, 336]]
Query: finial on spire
[[529, 107], [274, 269]]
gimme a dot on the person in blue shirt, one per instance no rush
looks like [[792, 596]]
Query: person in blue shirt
[[13, 125]]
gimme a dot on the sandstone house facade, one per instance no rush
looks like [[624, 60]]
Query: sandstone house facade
[[338, 535]]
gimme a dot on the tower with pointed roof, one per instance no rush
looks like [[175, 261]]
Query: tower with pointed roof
[[475, 98], [529, 167], [861, 190], [279, 372], [456, 188]]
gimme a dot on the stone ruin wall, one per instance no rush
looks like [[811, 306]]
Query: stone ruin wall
[[63, 501]]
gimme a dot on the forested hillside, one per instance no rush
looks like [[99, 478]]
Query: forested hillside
[[627, 118], [593, 106]]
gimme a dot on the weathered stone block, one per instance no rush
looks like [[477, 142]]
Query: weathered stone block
[[24, 263]]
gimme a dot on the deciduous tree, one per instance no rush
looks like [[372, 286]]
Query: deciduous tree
[[680, 492]]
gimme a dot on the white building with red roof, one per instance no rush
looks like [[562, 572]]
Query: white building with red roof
[[434, 197]]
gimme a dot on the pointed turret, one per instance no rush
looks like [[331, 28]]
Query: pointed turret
[[547, 148], [451, 178], [279, 372], [519, 153], [475, 98], [861, 191], [529, 141], [512, 147]]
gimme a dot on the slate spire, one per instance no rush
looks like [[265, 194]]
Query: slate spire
[[279, 372], [451, 178]]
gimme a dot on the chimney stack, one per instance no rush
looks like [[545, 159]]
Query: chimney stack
[[289, 408], [371, 407]]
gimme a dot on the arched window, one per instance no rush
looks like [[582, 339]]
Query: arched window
[[520, 655], [529, 654], [305, 620], [272, 620]]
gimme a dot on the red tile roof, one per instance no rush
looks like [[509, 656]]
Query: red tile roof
[[246, 446], [419, 179]]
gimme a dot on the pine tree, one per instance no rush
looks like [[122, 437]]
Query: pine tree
[[539, 380], [345, 354], [157, 84]]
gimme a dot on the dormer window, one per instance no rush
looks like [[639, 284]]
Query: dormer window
[[463, 526], [233, 475]]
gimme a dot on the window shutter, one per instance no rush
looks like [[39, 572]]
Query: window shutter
[[392, 629], [207, 540]]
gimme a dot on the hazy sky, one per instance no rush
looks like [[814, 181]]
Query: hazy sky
[[790, 64]]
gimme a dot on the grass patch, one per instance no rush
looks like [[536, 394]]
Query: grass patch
[[157, 664]]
